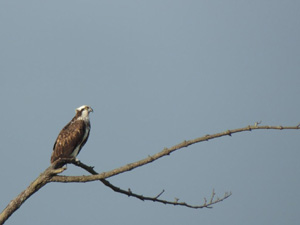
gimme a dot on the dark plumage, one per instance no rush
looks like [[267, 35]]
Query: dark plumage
[[73, 136]]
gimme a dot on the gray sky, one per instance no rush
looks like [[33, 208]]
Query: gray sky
[[156, 73]]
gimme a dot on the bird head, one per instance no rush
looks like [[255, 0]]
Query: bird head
[[83, 111]]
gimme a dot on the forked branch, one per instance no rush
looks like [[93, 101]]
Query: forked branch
[[50, 174]]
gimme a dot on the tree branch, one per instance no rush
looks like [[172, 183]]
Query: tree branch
[[129, 193], [166, 152], [36, 185]]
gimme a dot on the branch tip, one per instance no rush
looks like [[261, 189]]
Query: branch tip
[[157, 196]]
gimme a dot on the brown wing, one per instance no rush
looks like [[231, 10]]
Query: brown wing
[[68, 139]]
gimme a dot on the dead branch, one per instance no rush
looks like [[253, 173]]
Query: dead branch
[[129, 193]]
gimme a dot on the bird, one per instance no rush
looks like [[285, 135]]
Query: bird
[[73, 136]]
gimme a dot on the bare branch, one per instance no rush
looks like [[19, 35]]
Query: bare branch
[[129, 193], [166, 152]]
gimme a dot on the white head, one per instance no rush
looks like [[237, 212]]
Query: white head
[[82, 112]]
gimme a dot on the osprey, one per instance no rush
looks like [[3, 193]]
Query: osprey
[[73, 136]]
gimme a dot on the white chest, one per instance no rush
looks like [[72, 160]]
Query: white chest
[[77, 149]]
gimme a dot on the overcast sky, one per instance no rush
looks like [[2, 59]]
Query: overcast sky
[[156, 73]]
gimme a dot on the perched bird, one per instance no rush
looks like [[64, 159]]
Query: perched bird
[[73, 136]]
